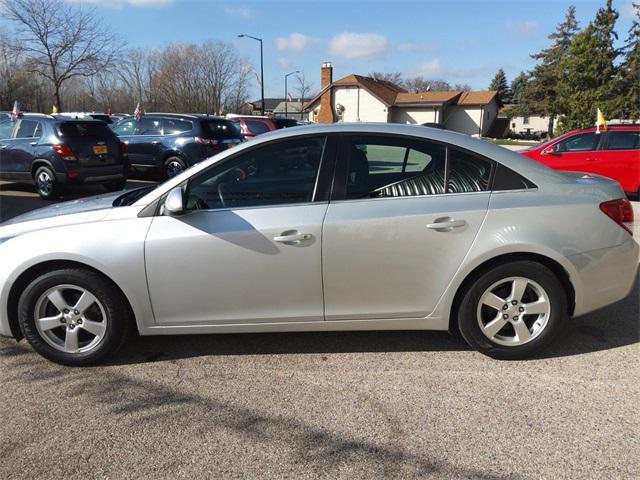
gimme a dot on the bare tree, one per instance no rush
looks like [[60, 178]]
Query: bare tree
[[60, 41], [395, 77], [304, 89]]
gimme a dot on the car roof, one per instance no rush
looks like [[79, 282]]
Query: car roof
[[615, 126], [189, 116]]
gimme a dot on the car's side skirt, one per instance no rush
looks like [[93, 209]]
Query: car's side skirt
[[429, 323]]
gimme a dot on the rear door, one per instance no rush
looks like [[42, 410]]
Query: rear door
[[92, 142], [620, 158], [6, 129], [394, 236], [18, 153]]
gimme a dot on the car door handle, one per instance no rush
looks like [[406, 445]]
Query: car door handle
[[446, 224], [3, 145], [292, 237], [155, 142], [33, 144]]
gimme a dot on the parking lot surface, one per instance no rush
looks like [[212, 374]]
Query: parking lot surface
[[326, 405]]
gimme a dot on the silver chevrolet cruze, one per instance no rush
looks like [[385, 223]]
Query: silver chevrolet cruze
[[339, 227]]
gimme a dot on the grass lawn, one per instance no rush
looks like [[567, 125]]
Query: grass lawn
[[506, 141]]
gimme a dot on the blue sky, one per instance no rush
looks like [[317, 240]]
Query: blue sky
[[458, 41]]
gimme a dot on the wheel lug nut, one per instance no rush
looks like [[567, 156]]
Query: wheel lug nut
[[521, 309], [62, 320], [76, 312], [515, 302], [505, 306], [66, 310], [79, 322], [505, 316], [515, 319]]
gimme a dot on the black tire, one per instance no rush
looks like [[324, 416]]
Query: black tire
[[45, 183], [470, 309], [116, 316], [115, 185], [173, 166]]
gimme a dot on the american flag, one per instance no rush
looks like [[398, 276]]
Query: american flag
[[138, 112], [15, 113], [289, 99]]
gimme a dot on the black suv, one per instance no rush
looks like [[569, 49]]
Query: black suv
[[169, 143], [52, 151]]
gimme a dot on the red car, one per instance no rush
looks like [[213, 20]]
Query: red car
[[613, 153], [252, 125]]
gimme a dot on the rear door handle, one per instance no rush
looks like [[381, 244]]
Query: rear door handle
[[446, 224], [33, 144], [293, 237]]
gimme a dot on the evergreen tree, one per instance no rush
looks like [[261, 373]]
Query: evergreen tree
[[500, 85], [590, 72], [517, 86], [540, 95], [628, 81]]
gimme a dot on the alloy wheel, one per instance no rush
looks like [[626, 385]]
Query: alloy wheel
[[44, 182], [70, 319], [513, 311], [174, 168]]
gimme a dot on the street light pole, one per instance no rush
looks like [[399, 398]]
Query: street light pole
[[243, 35], [286, 93]]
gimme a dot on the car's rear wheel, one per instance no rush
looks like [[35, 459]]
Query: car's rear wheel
[[173, 166], [45, 182], [513, 311], [116, 185], [73, 316]]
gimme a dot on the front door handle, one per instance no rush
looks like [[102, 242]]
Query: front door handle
[[446, 224], [3, 145], [292, 237]]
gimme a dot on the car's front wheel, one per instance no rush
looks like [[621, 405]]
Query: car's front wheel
[[513, 310], [73, 316]]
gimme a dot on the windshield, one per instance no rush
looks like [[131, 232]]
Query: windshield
[[219, 129], [85, 129]]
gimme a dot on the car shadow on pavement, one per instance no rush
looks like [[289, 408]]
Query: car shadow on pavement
[[615, 326]]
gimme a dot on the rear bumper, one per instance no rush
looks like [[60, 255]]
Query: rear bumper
[[93, 174], [605, 276]]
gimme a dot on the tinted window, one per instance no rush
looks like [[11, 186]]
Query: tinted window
[[149, 126], [507, 179], [85, 129], [467, 172], [275, 174], [27, 129], [628, 140], [127, 127], [583, 142], [256, 127], [219, 129], [173, 126], [6, 128], [391, 167]]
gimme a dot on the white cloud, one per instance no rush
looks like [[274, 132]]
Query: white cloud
[[240, 11], [431, 69], [359, 45], [295, 42], [117, 4], [434, 69], [522, 28], [410, 47]]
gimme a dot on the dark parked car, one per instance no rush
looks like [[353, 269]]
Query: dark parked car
[[169, 143], [55, 151]]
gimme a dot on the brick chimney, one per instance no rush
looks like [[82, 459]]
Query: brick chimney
[[326, 101]]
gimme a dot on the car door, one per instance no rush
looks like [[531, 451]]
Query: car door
[[577, 153], [147, 143], [393, 236], [126, 131], [248, 248], [6, 129], [620, 158], [18, 153]]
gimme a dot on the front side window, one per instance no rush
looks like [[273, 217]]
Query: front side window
[[624, 140], [6, 128], [27, 129], [275, 174], [127, 127], [583, 142]]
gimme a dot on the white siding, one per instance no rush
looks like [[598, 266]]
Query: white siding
[[415, 115], [536, 124], [359, 105], [468, 119]]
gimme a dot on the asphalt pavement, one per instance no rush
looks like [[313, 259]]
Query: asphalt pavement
[[326, 405]]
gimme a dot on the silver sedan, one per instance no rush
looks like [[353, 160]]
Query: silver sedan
[[338, 227]]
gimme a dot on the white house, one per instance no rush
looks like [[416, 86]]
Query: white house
[[356, 98]]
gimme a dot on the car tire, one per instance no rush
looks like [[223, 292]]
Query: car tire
[[173, 166], [513, 311], [116, 185], [74, 316], [45, 183]]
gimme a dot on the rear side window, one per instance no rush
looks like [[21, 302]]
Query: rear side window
[[583, 142], [173, 126], [85, 129], [256, 127], [27, 129], [624, 140], [217, 129], [149, 126], [467, 172]]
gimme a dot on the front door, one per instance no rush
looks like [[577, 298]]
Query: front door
[[18, 153], [394, 237], [577, 153], [248, 250]]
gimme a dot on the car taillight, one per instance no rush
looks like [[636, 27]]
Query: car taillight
[[124, 148], [64, 151], [620, 211]]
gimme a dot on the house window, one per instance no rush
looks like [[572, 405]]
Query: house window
[[525, 120]]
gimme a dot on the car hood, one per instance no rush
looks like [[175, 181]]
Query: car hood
[[89, 209]]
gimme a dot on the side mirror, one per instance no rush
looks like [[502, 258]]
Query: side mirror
[[551, 150], [174, 203]]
